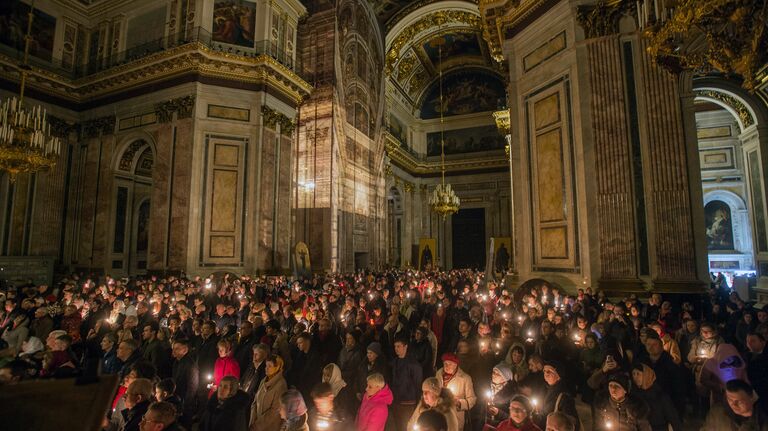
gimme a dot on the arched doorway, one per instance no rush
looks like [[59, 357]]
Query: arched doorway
[[131, 208], [732, 148]]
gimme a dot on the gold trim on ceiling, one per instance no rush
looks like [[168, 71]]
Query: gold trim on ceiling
[[406, 161]]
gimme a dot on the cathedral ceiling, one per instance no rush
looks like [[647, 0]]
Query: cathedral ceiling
[[423, 41]]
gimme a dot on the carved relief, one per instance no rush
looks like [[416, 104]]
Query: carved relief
[[183, 107]]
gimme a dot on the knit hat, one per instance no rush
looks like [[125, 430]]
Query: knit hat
[[448, 356], [522, 399], [431, 384], [620, 379], [557, 366], [504, 370], [375, 348]]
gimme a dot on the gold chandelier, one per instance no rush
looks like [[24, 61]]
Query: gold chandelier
[[727, 36], [26, 143], [443, 200]]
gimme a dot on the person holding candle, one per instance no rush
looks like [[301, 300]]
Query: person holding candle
[[520, 409], [617, 409], [556, 398], [502, 389], [265, 409], [226, 365], [437, 398], [460, 384]]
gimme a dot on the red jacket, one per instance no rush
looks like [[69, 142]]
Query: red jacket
[[373, 412], [224, 367], [507, 425]]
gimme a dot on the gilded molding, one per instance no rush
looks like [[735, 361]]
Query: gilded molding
[[499, 16], [98, 126], [183, 106], [273, 118], [60, 127], [602, 18], [414, 166], [503, 121], [434, 19], [743, 112]]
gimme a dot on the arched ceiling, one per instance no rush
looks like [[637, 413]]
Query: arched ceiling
[[425, 38]]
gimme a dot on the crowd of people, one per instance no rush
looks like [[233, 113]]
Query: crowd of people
[[394, 351]]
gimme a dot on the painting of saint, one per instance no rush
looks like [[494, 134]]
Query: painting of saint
[[460, 141], [427, 248], [234, 21], [502, 253], [13, 28], [717, 215]]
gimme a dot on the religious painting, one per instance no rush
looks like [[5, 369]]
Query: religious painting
[[461, 141], [234, 22], [464, 92], [719, 228], [502, 253], [427, 254], [14, 16], [398, 130], [301, 261], [453, 45]]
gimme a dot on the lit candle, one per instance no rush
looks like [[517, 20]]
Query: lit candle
[[608, 424], [489, 394]]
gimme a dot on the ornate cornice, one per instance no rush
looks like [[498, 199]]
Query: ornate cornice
[[432, 20], [274, 118], [503, 122], [98, 126], [745, 116], [410, 164], [183, 106], [602, 18], [61, 128], [502, 17], [190, 58]]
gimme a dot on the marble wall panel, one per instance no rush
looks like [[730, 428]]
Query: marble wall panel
[[266, 215], [182, 177], [160, 202]]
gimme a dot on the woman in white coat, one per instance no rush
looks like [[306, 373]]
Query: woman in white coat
[[459, 384]]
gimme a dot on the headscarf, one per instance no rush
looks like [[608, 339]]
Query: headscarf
[[294, 405], [649, 376], [278, 367], [336, 381], [32, 346]]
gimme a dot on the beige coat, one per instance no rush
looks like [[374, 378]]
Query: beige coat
[[265, 409], [444, 406], [463, 390]]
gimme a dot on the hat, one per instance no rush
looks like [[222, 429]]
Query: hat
[[450, 357], [522, 399], [375, 348], [620, 379], [557, 366], [504, 370]]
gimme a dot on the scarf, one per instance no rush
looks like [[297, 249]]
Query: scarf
[[448, 377], [278, 368], [649, 376], [336, 381]]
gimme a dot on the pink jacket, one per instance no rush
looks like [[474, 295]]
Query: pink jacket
[[372, 415], [224, 367]]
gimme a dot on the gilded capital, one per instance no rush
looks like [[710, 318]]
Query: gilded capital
[[602, 18]]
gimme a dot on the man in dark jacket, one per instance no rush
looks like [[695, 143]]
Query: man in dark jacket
[[137, 400], [406, 383], [228, 408], [207, 350], [306, 368], [256, 369], [668, 374], [156, 351], [757, 364], [244, 349], [186, 376]]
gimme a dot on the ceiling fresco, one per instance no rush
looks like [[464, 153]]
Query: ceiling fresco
[[465, 91]]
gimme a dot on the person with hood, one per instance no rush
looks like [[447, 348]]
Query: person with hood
[[618, 408], [437, 398], [374, 409], [662, 412], [452, 377], [293, 411], [739, 411], [517, 362], [503, 389], [556, 398], [520, 410], [227, 409], [226, 365], [343, 396], [265, 409]]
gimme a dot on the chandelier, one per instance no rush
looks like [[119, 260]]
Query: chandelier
[[727, 36], [443, 200], [26, 143]]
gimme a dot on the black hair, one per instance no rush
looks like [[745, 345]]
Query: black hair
[[433, 419], [321, 390], [738, 385]]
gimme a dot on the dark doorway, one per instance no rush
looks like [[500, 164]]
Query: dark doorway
[[361, 261], [469, 238]]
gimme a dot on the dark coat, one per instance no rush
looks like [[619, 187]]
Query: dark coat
[[406, 379], [159, 354], [670, 379], [230, 415], [306, 371], [132, 417], [186, 375], [630, 415], [662, 411], [550, 404], [757, 371], [252, 377], [207, 353]]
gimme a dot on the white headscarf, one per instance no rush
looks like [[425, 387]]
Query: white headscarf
[[336, 382]]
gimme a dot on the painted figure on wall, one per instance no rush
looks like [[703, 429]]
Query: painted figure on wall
[[464, 92], [473, 139], [719, 227], [426, 256], [234, 22], [13, 28]]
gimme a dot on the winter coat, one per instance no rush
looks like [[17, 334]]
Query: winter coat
[[374, 410], [629, 415], [557, 399], [187, 377], [463, 391], [445, 405], [662, 411], [508, 425], [350, 361], [406, 379], [229, 415], [224, 367], [501, 401], [132, 417], [722, 418], [519, 370], [265, 409]]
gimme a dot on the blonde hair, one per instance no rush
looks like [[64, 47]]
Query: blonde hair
[[376, 380]]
